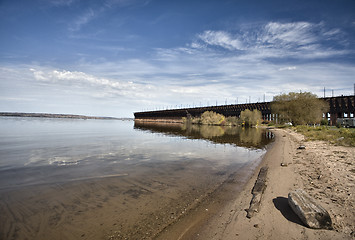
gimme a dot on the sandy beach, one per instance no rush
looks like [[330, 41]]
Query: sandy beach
[[324, 171]]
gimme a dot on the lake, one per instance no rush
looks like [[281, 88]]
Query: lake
[[112, 179]]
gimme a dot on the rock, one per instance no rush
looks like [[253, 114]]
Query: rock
[[308, 210]]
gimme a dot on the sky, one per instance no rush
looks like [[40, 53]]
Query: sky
[[117, 57]]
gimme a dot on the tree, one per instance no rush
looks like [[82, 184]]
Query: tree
[[250, 118], [299, 108], [211, 118]]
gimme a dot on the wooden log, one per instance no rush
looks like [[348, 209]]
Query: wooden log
[[308, 210], [257, 192]]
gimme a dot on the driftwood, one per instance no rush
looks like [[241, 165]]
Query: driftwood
[[308, 210], [257, 192]]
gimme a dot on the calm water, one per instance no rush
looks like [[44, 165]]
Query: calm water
[[36, 150], [111, 179]]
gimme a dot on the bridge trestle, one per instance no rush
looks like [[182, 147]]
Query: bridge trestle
[[339, 107]]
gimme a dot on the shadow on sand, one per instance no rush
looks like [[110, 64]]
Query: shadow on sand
[[281, 204]]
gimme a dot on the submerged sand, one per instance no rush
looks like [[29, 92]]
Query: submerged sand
[[140, 203]]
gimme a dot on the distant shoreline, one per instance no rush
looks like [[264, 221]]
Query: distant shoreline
[[51, 115]]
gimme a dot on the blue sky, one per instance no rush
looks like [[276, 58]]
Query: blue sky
[[115, 57]]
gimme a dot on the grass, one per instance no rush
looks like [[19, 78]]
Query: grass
[[337, 136]]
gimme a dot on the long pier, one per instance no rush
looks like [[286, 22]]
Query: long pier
[[339, 107]]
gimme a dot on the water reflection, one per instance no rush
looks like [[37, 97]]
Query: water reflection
[[245, 137], [93, 177]]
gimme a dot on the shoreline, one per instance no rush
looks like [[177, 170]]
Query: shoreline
[[55, 115], [318, 169], [189, 225]]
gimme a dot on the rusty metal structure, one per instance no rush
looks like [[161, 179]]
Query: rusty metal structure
[[339, 107]]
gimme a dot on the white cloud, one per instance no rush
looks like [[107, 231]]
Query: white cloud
[[297, 40], [102, 86], [220, 39], [39, 75], [288, 68], [288, 35]]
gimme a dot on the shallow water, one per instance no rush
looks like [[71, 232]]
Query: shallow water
[[109, 178]]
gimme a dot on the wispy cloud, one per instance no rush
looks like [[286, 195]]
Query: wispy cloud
[[299, 40], [220, 39], [91, 13], [81, 79], [288, 35], [288, 68], [83, 19]]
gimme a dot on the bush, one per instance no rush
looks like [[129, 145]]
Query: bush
[[211, 118], [247, 118], [250, 118], [231, 121], [324, 122]]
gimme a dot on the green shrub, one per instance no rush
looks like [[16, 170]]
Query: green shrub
[[324, 122]]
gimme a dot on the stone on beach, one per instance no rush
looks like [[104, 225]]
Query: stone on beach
[[308, 210]]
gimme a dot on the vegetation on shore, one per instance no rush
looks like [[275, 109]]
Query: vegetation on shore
[[250, 118], [299, 108], [334, 135], [247, 118], [304, 109]]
